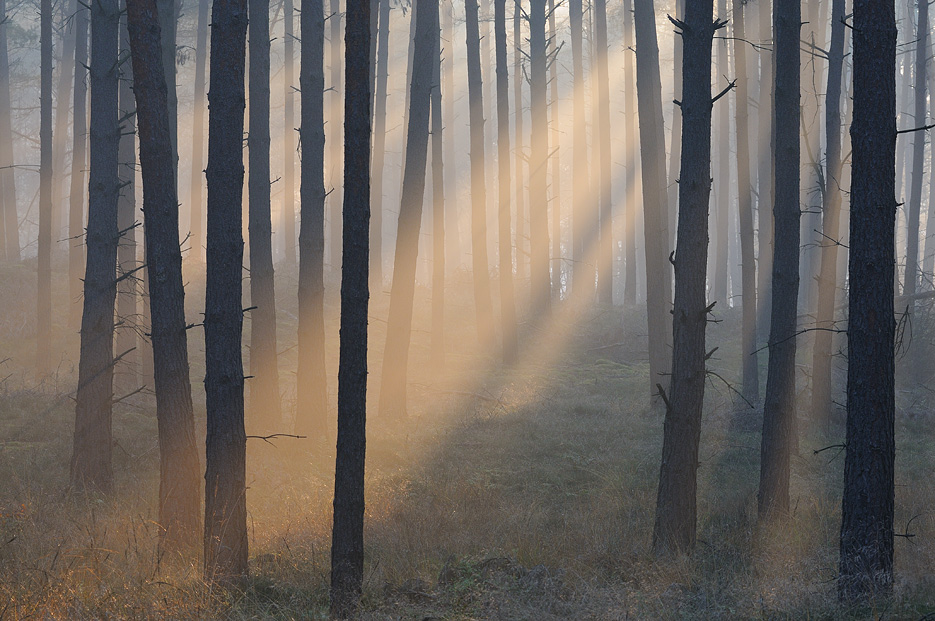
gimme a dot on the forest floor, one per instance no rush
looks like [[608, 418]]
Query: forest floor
[[520, 493]]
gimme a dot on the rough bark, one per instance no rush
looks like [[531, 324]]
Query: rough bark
[[779, 403], [179, 467], [866, 566], [91, 460], [288, 138], [79, 159], [311, 383], [44, 262], [831, 222], [196, 225], [264, 386], [653, 166], [507, 300], [676, 511], [538, 158], [399, 321], [482, 302], [347, 539], [225, 535], [750, 366]]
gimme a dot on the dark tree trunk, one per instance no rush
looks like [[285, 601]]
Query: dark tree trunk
[[288, 140], [538, 158], [605, 276], [831, 221], [632, 138], [520, 232], [379, 148], [482, 302], [653, 166], [264, 387], [311, 383], [125, 374], [750, 365], [7, 181], [79, 160], [91, 460], [198, 135], [179, 468], [779, 404], [347, 538], [438, 206], [507, 301], [168, 12], [765, 180], [672, 192], [44, 262], [583, 272], [399, 322], [918, 154], [335, 125], [676, 511], [555, 159], [225, 537], [866, 568]]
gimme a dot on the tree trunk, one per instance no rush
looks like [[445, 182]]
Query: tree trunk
[[60, 133], [225, 537], [521, 240], [653, 166], [538, 158], [179, 467], [605, 277], [198, 135], [399, 322], [311, 383], [347, 539], [831, 218], [672, 192], [79, 161], [288, 139], [779, 404], [676, 510], [866, 568], [168, 12], [918, 154], [722, 185], [507, 302], [438, 206], [582, 274], [7, 180], [555, 159], [335, 124], [765, 180], [125, 375], [482, 302], [452, 226], [379, 148], [264, 388], [44, 262], [629, 86], [91, 460], [750, 365]]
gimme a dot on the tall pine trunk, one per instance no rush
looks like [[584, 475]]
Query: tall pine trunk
[[225, 535], [335, 125], [91, 460], [918, 154], [538, 157], [7, 180], [605, 278], [522, 257], [379, 147], [866, 566], [582, 274], [288, 138], [722, 180], [196, 226], [779, 403], [629, 85], [79, 161], [555, 158], [507, 295], [438, 206], [60, 132], [765, 179], [44, 259]]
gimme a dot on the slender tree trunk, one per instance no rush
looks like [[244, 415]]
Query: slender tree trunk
[[918, 154], [452, 226], [196, 225], [672, 191], [79, 161], [347, 539], [652, 151], [831, 218], [482, 302], [399, 322], [438, 206], [555, 159], [91, 460], [264, 388], [750, 367], [379, 148], [335, 125], [125, 375], [632, 138], [225, 536], [288, 139], [582, 275], [179, 485], [44, 262], [765, 180], [60, 133], [507, 301], [676, 510], [168, 11], [538, 158], [866, 569], [521, 240], [311, 383], [722, 185], [7, 179], [779, 405], [605, 278]]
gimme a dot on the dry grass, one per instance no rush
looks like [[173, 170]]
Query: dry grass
[[524, 494]]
